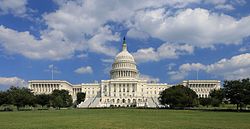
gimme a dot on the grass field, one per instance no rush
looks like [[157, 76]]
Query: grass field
[[123, 118]]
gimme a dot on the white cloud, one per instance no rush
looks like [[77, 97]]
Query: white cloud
[[6, 82], [170, 66], [165, 51], [197, 27], [83, 26], [107, 63], [99, 43], [83, 56], [109, 60], [84, 70], [184, 69], [245, 48], [149, 78], [237, 67], [147, 54], [233, 68], [215, 2], [86, 21], [53, 45], [49, 47], [191, 67], [225, 7], [133, 33], [15, 7]]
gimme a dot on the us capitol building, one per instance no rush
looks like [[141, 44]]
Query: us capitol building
[[125, 88]]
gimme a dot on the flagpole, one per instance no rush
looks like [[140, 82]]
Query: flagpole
[[52, 72], [197, 74]]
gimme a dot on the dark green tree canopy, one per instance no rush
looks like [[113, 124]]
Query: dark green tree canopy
[[178, 96], [238, 92], [43, 99], [80, 97], [217, 96], [20, 96], [61, 98], [4, 98], [205, 101]]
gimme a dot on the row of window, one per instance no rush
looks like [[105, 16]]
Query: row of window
[[123, 65], [115, 95], [124, 100], [203, 95], [45, 88], [202, 90], [202, 85], [124, 74]]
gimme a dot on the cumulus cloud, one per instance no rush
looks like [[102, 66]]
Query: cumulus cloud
[[225, 7], [149, 78], [15, 7], [84, 70], [133, 33], [53, 45], [245, 48], [165, 51], [184, 69], [83, 26], [83, 56], [237, 67], [99, 42], [6, 82], [197, 27], [108, 60], [27, 45]]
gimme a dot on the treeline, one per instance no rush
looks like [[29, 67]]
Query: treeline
[[233, 92], [21, 97]]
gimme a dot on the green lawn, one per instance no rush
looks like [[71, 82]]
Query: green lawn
[[123, 118]]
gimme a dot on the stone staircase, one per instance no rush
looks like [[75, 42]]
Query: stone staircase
[[151, 103], [95, 102], [159, 105], [86, 103]]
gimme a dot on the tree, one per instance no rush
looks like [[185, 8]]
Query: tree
[[43, 99], [58, 102], [217, 97], [80, 97], [237, 91], [4, 98], [61, 98], [20, 96], [178, 96], [205, 101], [246, 91]]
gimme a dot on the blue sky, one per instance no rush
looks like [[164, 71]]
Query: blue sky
[[171, 40]]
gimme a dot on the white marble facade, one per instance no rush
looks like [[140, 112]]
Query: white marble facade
[[202, 87], [125, 88]]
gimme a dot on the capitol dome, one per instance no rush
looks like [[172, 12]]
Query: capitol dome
[[124, 65]]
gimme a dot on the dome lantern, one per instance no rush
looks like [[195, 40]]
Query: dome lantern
[[124, 45]]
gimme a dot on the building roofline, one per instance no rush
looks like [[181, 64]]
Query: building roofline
[[49, 81]]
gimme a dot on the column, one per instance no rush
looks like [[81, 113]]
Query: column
[[125, 89]]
